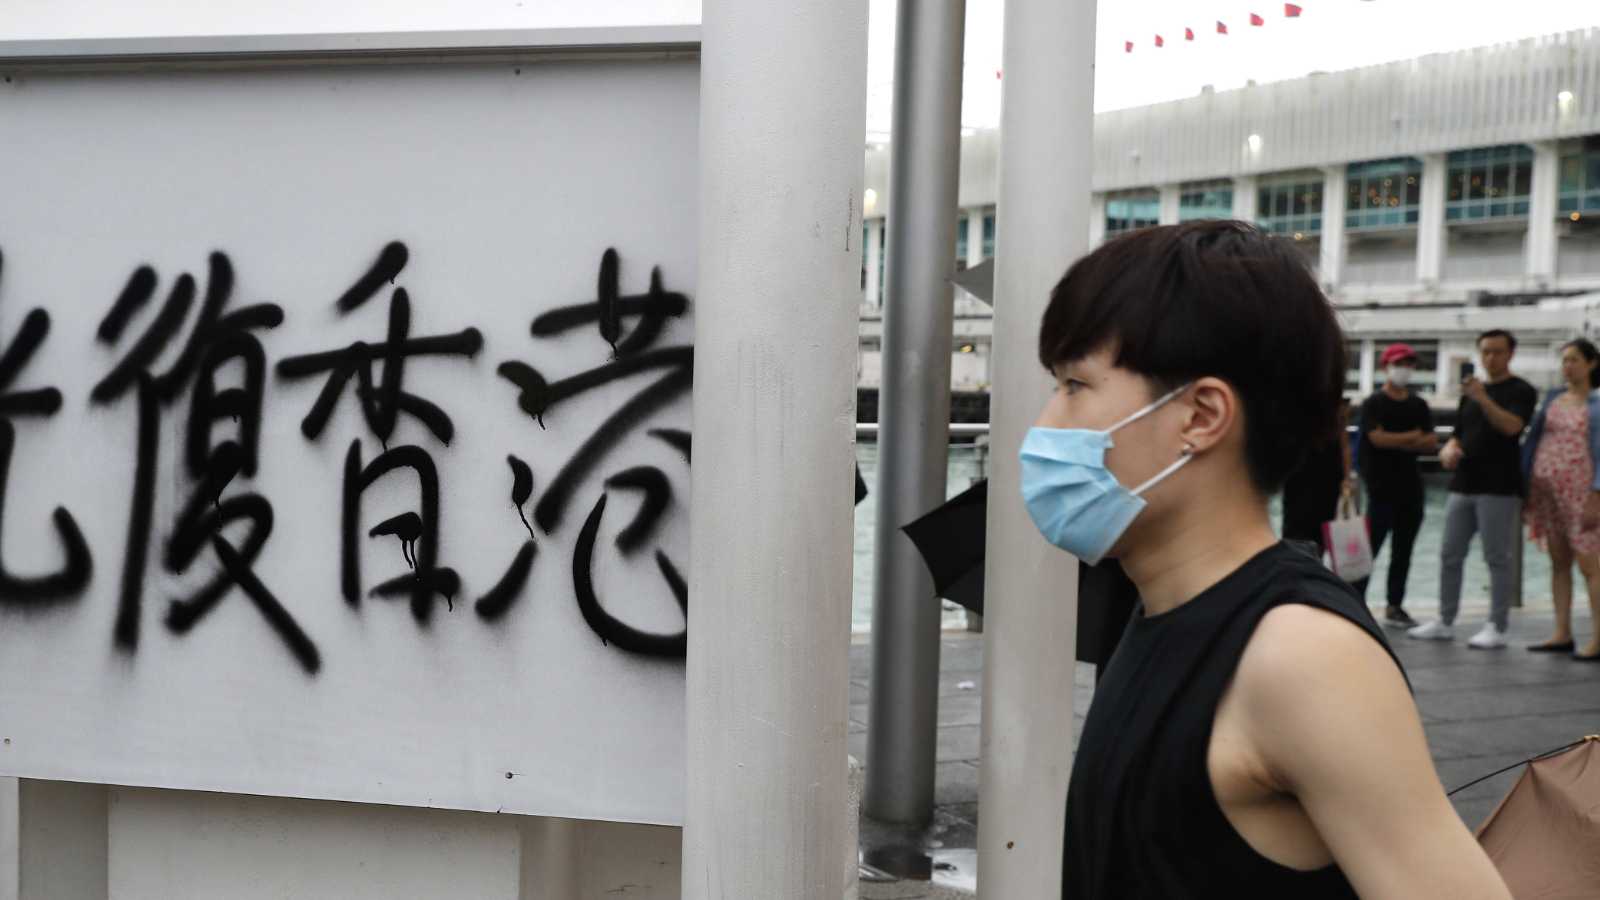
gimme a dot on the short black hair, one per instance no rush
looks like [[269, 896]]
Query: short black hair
[[1511, 339], [1212, 298], [1590, 353]]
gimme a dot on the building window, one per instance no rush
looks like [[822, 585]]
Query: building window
[[961, 243], [1488, 183], [988, 235], [1131, 210], [1384, 193], [1580, 181], [1290, 207], [1205, 200]]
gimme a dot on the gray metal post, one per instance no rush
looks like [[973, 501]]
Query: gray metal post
[[782, 124], [1031, 609], [914, 405]]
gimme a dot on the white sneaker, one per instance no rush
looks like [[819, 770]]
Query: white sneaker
[[1490, 638], [1433, 631]]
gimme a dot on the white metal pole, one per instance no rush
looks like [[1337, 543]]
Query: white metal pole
[[1031, 596], [782, 124]]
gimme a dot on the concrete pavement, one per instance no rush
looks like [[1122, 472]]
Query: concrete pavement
[[1482, 710]]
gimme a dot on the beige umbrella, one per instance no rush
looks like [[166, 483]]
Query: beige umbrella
[[1544, 837]]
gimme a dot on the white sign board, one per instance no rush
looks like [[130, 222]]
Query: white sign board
[[344, 421]]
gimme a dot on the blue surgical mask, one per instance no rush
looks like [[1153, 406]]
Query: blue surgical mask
[[1074, 500]]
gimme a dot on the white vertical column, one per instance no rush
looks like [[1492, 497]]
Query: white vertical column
[[874, 257], [1539, 247], [975, 235], [1097, 219], [1442, 379], [1369, 363], [1331, 264], [1244, 198], [1431, 234], [1170, 195], [782, 124], [1030, 628]]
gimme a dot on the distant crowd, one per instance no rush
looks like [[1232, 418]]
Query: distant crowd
[[1514, 459]]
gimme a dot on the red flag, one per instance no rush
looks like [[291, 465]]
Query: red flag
[[1290, 11], [1257, 20], [1127, 46], [1188, 34], [1160, 42], [1221, 28]]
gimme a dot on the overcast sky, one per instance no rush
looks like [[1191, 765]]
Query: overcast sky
[[1329, 35]]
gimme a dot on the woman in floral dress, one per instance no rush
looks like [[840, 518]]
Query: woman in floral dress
[[1563, 510]]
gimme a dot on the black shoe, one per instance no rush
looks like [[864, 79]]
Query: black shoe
[[1563, 647], [1398, 617]]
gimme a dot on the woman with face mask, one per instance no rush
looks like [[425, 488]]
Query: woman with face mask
[[1252, 736], [1563, 514]]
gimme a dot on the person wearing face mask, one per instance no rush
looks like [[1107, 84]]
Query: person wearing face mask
[[1396, 426], [1252, 735]]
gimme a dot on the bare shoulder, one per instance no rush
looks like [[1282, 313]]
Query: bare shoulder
[[1325, 712], [1299, 651]]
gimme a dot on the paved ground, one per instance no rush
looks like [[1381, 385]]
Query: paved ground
[[1482, 710]]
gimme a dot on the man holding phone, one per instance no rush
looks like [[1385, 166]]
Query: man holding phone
[[1486, 490]]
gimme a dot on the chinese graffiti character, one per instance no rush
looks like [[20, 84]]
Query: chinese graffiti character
[[216, 338], [70, 580], [632, 354], [382, 400]]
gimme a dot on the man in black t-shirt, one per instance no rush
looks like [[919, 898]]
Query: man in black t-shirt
[[1486, 492], [1396, 426]]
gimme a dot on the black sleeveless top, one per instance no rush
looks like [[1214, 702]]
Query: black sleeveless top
[[1142, 818]]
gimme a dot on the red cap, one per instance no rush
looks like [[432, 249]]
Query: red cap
[[1396, 352]]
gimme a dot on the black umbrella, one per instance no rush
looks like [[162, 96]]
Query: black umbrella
[[951, 541]]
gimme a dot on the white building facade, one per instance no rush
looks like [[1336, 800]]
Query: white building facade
[[1432, 196]]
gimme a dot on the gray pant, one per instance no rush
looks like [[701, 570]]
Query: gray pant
[[1499, 520]]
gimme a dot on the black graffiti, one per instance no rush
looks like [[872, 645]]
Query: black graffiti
[[216, 339], [420, 532], [500, 598], [130, 601], [611, 630], [653, 307], [77, 566], [521, 488], [383, 401], [632, 355], [504, 594], [201, 524], [391, 260]]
